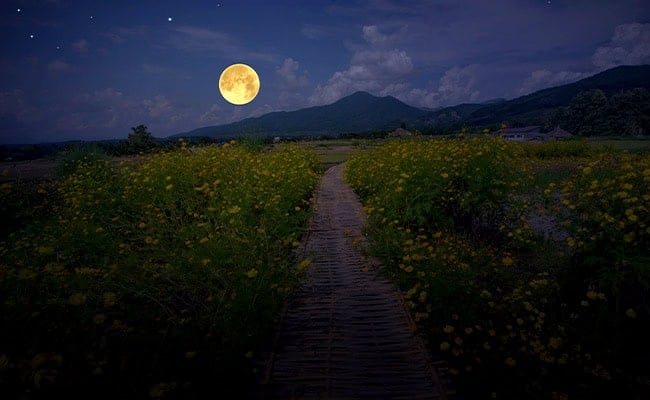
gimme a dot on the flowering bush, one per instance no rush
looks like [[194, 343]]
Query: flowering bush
[[516, 315], [152, 278]]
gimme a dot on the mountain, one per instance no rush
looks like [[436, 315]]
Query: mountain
[[362, 112], [357, 113], [536, 108]]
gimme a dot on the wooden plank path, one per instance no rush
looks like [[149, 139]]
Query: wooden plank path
[[347, 333]]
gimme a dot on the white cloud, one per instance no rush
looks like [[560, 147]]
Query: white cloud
[[630, 45], [80, 45], [193, 39], [372, 35], [289, 77], [457, 85], [212, 116], [372, 69], [384, 71], [153, 69], [59, 66], [544, 78]]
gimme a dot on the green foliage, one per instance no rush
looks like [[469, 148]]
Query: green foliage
[[591, 113], [517, 316], [68, 160], [557, 149], [252, 142], [141, 140], [159, 276]]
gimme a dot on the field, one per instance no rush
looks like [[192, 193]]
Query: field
[[524, 265], [159, 277]]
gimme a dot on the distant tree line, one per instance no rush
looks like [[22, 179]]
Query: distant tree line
[[139, 141], [591, 113]]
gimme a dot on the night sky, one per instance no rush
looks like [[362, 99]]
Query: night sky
[[94, 69]]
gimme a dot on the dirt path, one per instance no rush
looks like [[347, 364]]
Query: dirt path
[[347, 334]]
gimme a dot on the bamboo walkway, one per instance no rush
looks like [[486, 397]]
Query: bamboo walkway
[[347, 333]]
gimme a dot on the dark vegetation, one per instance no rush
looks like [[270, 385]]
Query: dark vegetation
[[552, 309]]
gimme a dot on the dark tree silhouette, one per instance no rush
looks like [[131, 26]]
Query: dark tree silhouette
[[141, 140]]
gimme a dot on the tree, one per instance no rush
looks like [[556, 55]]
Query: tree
[[141, 140], [632, 111]]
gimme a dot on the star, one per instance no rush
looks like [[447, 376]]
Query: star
[[58, 47], [170, 19], [18, 10], [31, 36]]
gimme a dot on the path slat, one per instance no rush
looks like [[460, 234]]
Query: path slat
[[346, 334]]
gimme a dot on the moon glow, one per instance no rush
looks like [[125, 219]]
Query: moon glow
[[239, 84]]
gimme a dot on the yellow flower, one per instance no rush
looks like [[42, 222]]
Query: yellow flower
[[45, 250], [445, 175], [303, 264], [448, 329], [77, 299], [507, 261], [109, 299], [591, 295], [252, 273], [99, 319], [408, 269], [169, 187], [555, 343], [630, 313], [234, 209], [510, 362], [445, 346], [571, 242]]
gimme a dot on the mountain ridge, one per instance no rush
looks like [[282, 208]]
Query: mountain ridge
[[361, 112]]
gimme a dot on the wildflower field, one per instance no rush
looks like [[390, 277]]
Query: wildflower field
[[161, 278], [526, 266]]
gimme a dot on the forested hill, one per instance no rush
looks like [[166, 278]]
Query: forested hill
[[608, 98], [357, 113]]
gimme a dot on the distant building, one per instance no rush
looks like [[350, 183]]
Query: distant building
[[399, 132], [522, 134], [532, 133], [558, 134]]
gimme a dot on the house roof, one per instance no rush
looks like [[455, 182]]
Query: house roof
[[526, 129], [559, 133]]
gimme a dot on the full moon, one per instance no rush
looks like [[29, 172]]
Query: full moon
[[239, 84]]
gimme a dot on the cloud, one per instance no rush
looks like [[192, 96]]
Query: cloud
[[213, 115], [119, 35], [290, 79], [544, 78], [59, 66], [154, 69], [292, 84], [457, 85], [372, 35], [630, 45], [372, 68], [196, 39], [80, 45], [16, 105]]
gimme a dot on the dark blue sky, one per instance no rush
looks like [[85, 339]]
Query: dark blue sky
[[94, 69]]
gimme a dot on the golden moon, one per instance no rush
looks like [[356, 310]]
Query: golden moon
[[239, 84]]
